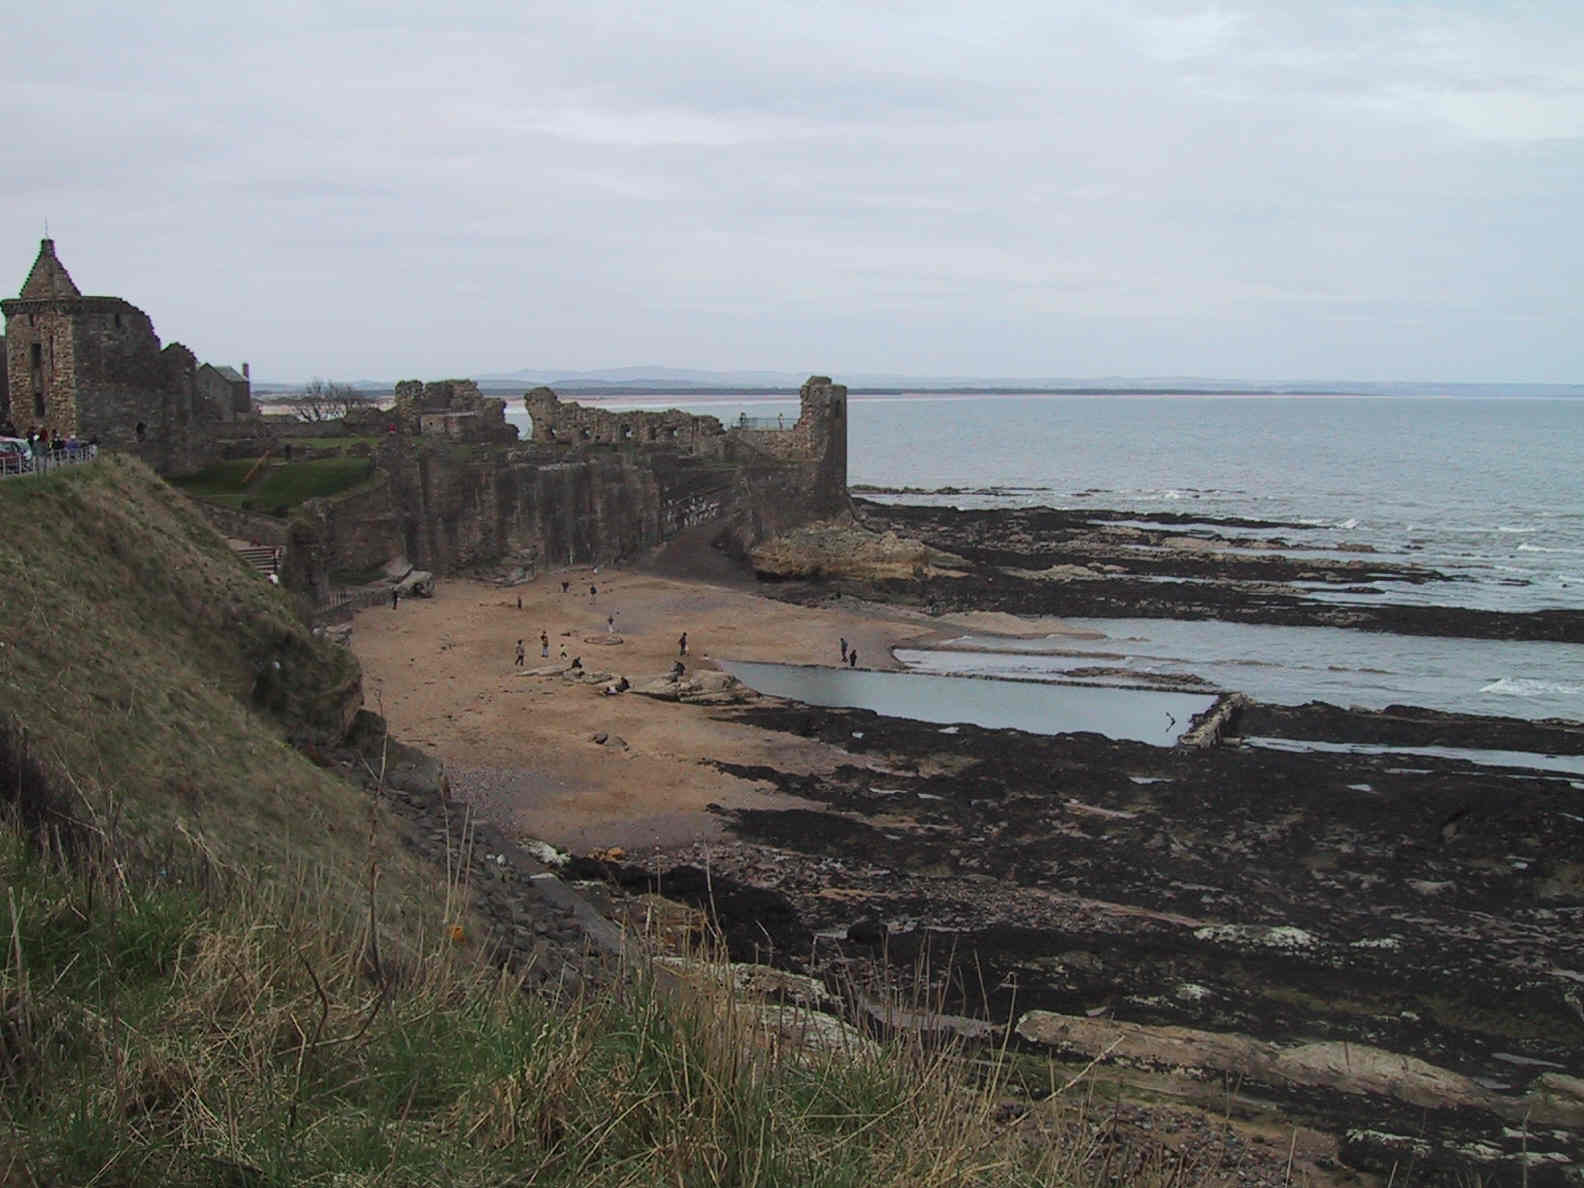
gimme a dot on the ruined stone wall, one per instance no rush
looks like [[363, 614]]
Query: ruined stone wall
[[570, 423], [815, 448], [123, 377], [448, 504], [242, 525], [342, 537], [463, 506], [452, 408]]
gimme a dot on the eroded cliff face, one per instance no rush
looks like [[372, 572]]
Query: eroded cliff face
[[454, 491], [446, 507]]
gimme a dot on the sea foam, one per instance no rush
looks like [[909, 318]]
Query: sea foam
[[1525, 687]]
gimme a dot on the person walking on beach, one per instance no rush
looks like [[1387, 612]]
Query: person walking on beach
[[610, 624], [395, 598], [520, 653], [844, 649], [852, 658], [544, 645], [565, 586], [682, 645], [593, 591]]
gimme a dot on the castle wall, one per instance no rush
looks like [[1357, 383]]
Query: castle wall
[[447, 504], [446, 507], [816, 447], [568, 423], [94, 367]]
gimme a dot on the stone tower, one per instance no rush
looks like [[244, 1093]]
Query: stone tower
[[91, 366], [822, 424]]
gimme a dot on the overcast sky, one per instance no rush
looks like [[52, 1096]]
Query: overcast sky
[[1284, 189]]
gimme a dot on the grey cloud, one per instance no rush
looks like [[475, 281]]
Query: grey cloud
[[1076, 189]]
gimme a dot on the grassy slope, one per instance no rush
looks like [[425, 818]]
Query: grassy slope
[[139, 656], [156, 1029], [277, 484]]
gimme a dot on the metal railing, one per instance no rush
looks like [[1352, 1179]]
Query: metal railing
[[747, 422], [13, 465], [343, 604]]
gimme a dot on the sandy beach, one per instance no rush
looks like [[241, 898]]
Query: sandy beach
[[520, 746]]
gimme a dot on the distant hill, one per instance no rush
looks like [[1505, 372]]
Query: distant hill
[[647, 379]]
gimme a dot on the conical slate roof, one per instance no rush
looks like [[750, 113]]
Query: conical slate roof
[[49, 278]]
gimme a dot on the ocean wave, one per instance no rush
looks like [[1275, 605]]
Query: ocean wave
[[1350, 522], [1527, 687], [1529, 548]]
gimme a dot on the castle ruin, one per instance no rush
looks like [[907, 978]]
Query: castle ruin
[[814, 446], [93, 367]]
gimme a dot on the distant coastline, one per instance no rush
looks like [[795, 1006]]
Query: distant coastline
[[268, 392]]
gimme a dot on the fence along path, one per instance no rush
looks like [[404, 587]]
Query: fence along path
[[15, 465]]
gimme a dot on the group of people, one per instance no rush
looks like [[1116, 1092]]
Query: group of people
[[43, 448], [544, 648]]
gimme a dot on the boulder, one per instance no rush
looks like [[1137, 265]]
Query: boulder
[[1329, 1064], [842, 548], [1556, 1099], [419, 583]]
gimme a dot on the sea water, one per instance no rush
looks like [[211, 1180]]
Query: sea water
[[1145, 715], [1486, 492]]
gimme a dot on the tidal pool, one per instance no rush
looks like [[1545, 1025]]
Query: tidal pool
[[1039, 707]]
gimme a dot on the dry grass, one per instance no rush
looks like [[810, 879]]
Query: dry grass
[[169, 1035]]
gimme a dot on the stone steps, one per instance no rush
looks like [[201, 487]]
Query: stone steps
[[260, 557]]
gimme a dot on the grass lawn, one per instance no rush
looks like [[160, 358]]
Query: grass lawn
[[278, 487]]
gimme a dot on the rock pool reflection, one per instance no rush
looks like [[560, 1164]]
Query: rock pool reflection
[[1040, 708]]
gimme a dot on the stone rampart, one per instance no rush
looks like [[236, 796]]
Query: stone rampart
[[569, 423], [448, 503]]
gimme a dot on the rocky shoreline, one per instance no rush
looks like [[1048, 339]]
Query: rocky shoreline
[[1432, 912], [1388, 947], [1380, 947], [1106, 564]]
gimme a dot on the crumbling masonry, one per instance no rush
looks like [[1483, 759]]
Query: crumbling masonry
[[590, 486]]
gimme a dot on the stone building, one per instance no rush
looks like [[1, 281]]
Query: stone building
[[227, 393], [93, 367]]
